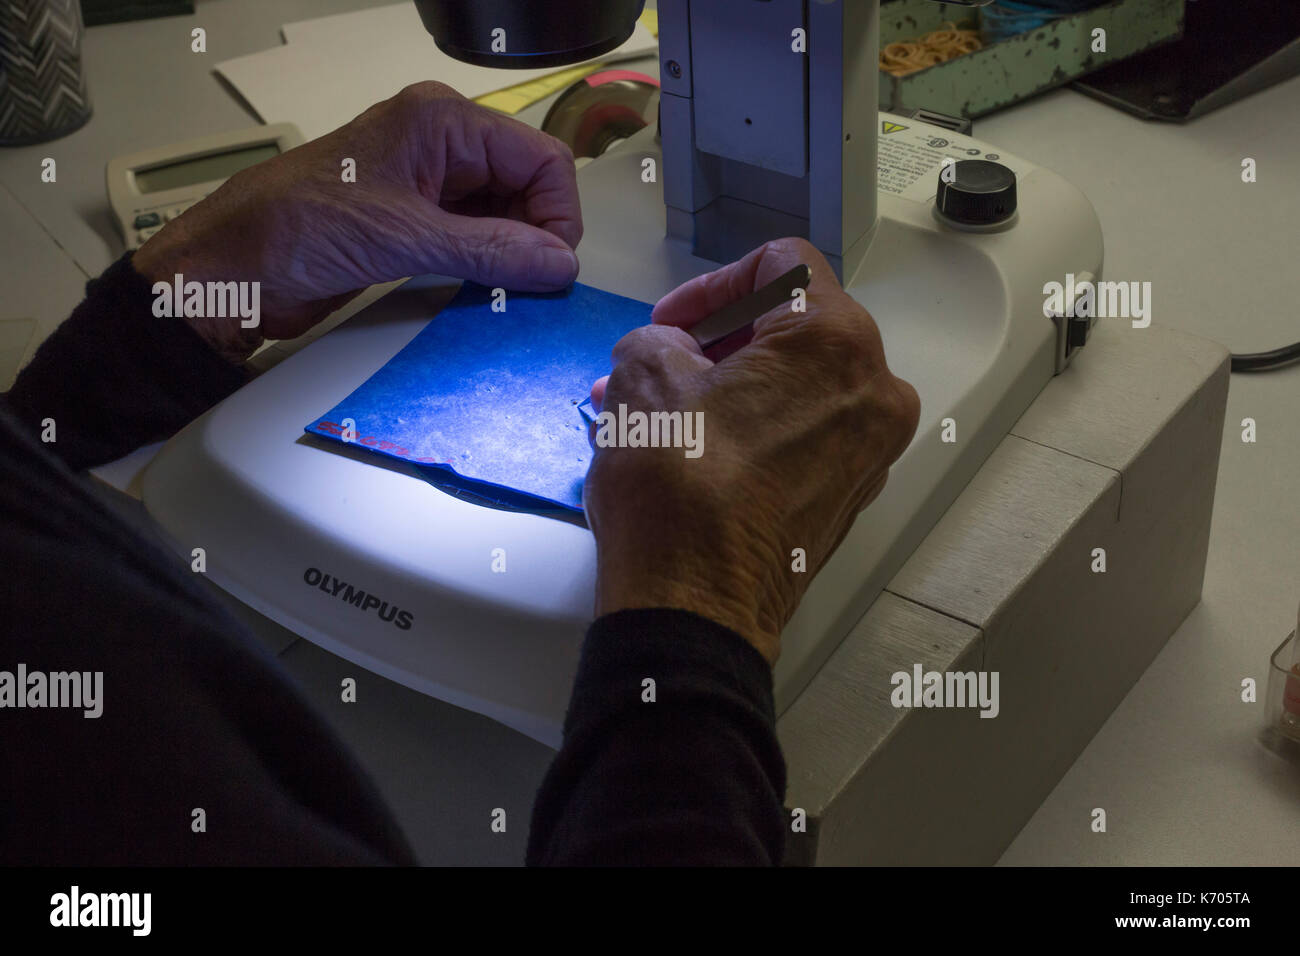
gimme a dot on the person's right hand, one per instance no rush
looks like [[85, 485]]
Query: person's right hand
[[801, 427]]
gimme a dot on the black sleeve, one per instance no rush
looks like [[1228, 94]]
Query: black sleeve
[[114, 376], [193, 713], [694, 776]]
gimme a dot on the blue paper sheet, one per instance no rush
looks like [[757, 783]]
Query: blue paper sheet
[[487, 402]]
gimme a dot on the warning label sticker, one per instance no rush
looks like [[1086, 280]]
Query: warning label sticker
[[909, 158]]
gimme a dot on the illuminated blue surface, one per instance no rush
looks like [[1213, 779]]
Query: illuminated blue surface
[[484, 401]]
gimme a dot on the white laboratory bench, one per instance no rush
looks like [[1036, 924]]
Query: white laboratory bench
[[1176, 765]]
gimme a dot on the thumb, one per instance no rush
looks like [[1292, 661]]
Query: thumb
[[506, 253]]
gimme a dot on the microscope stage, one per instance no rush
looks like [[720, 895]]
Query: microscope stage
[[279, 513]]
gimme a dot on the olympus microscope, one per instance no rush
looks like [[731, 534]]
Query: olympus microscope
[[760, 136]]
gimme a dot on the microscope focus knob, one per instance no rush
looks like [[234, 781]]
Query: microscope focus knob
[[975, 193]]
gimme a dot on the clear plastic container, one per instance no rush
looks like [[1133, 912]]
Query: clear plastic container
[[1282, 700]]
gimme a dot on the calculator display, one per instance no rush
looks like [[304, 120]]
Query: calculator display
[[202, 170]]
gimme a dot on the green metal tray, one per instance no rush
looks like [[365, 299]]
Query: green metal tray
[[1020, 66]]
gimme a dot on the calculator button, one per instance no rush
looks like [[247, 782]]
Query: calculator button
[[144, 234], [175, 211], [147, 219]]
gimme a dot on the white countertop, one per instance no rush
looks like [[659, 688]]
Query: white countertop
[[1177, 766]]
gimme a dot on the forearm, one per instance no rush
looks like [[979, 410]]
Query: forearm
[[178, 707], [114, 376], [685, 771]]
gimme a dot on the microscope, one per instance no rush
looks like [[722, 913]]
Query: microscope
[[769, 127], [767, 109]]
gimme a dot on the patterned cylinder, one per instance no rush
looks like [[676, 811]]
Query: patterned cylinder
[[42, 83]]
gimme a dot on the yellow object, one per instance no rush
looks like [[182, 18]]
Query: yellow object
[[515, 98], [909, 56], [522, 95]]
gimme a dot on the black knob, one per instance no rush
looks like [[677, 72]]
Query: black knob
[[981, 193]]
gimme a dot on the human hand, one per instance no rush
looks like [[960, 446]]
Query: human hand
[[801, 426], [442, 186]]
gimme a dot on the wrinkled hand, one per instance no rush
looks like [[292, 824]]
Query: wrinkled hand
[[442, 186], [801, 427]]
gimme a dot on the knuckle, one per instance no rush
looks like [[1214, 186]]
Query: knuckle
[[910, 412], [653, 367], [408, 97], [719, 284], [851, 361], [630, 352], [793, 250], [674, 337], [895, 410], [484, 253], [495, 254], [891, 400], [909, 401], [853, 346], [644, 345], [628, 345], [417, 94], [626, 382], [418, 99], [559, 147]]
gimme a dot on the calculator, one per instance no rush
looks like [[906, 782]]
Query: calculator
[[150, 188]]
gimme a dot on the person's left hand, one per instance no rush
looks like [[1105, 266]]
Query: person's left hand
[[442, 186]]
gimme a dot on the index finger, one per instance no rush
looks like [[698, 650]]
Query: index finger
[[509, 158], [696, 300]]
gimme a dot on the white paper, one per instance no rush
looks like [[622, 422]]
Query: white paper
[[335, 67], [367, 26]]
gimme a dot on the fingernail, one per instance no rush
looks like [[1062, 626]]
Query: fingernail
[[553, 266]]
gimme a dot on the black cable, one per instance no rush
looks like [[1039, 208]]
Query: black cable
[[1267, 361]]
